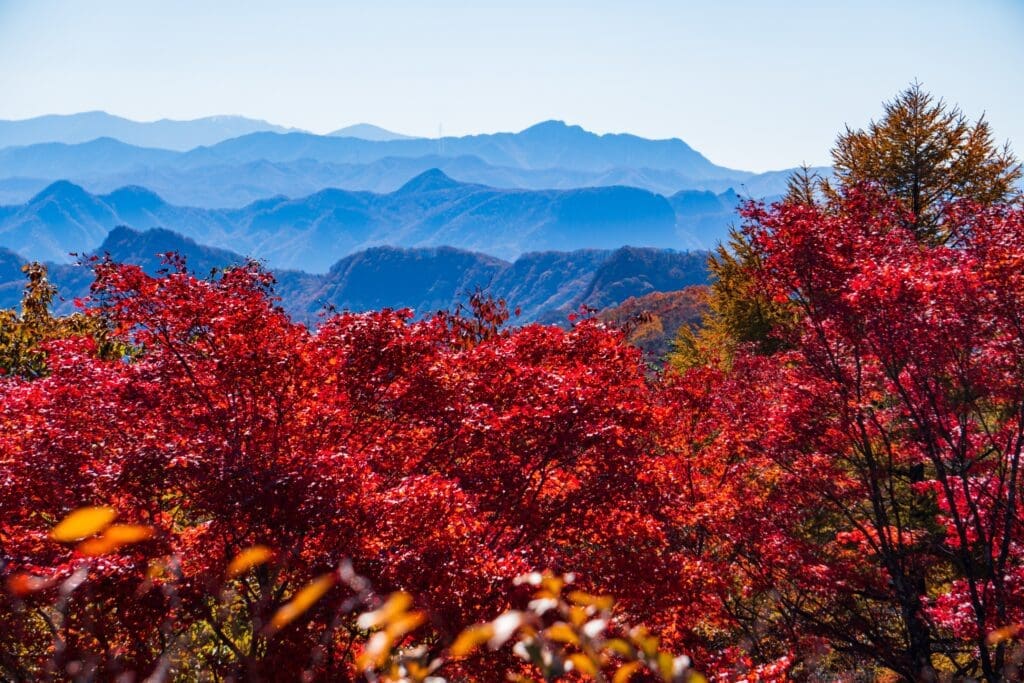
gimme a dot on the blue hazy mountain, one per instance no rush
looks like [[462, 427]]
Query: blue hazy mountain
[[550, 155], [12, 281], [704, 218], [544, 285], [368, 131], [60, 160], [235, 185], [165, 133], [551, 144], [313, 232]]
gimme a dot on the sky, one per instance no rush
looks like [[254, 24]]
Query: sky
[[755, 85]]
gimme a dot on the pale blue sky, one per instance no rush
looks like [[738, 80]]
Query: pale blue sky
[[754, 85]]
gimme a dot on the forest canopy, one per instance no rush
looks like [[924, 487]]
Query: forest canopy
[[824, 484]]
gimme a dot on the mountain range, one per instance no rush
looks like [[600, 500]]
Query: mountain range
[[165, 133], [431, 210], [545, 286], [271, 161]]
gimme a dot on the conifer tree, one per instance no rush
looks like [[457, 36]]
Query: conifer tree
[[926, 155], [922, 153]]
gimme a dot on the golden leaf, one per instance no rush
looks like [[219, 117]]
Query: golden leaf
[[625, 672], [301, 601], [82, 523], [247, 559], [396, 604], [376, 651], [620, 647], [113, 538], [601, 602], [666, 665], [583, 664], [562, 633], [470, 639], [553, 584]]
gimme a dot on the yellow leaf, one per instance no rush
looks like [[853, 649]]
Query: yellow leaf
[[601, 602], [625, 672], [620, 647], [666, 665], [470, 639], [376, 651], [583, 664], [404, 623], [301, 601], [82, 523], [114, 538], [562, 633], [396, 604], [247, 559]]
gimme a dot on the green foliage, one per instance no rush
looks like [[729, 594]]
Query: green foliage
[[22, 335], [738, 312]]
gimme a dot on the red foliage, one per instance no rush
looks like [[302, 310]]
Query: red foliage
[[862, 490], [443, 457], [852, 501]]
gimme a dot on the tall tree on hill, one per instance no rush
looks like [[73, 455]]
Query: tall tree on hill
[[926, 155], [922, 153]]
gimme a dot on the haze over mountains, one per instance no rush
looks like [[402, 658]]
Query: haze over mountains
[[165, 133], [313, 232], [364, 217], [236, 171]]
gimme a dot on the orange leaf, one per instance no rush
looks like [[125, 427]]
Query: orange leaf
[[1005, 633], [470, 639], [23, 584], [82, 523], [396, 604], [249, 558], [114, 538], [301, 601]]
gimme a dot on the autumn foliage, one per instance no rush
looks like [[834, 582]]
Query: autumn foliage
[[195, 487]]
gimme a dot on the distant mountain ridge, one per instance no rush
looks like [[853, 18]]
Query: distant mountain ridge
[[431, 210], [267, 162], [368, 131], [235, 185], [545, 286], [165, 133]]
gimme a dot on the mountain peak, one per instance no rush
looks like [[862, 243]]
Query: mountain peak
[[60, 189], [431, 180], [551, 127], [134, 196], [368, 131]]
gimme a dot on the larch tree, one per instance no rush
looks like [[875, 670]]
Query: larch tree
[[926, 155], [922, 153]]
